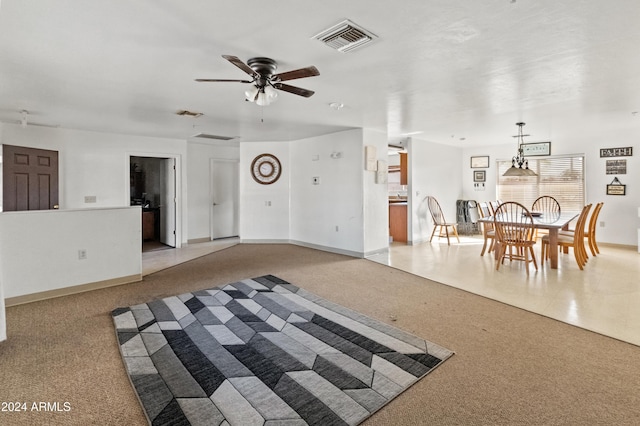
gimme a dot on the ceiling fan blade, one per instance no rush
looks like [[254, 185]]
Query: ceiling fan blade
[[299, 73], [221, 80], [244, 67], [295, 90]]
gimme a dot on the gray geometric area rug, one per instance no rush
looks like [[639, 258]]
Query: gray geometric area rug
[[264, 352]]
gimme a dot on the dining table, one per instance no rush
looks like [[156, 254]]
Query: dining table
[[553, 222]]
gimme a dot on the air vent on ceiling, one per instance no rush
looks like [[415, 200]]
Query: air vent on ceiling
[[186, 113], [345, 36], [210, 136]]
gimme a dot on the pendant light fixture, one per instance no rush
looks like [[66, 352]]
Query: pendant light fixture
[[519, 164]]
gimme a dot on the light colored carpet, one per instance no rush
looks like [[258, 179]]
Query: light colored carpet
[[264, 351], [511, 366]]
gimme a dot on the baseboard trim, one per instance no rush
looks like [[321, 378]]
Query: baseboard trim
[[245, 241], [327, 249], [308, 245], [67, 291], [377, 252], [199, 240], [620, 246]]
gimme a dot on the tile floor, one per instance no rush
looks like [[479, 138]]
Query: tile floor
[[154, 261], [604, 297]]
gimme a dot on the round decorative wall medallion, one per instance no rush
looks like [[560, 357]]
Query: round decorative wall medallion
[[266, 169]]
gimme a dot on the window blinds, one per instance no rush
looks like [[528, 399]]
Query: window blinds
[[561, 177]]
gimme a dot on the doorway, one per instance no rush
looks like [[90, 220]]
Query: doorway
[[224, 199], [153, 187]]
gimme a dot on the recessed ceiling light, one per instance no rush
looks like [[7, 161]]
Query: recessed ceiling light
[[336, 105]]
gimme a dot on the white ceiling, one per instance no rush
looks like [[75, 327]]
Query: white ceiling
[[450, 69]]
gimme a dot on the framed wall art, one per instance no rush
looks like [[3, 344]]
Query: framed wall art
[[616, 188], [370, 155], [537, 148], [479, 175], [616, 167], [616, 152], [382, 172], [480, 162]]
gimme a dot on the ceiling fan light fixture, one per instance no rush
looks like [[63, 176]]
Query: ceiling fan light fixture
[[262, 99], [264, 83], [271, 93], [251, 93]]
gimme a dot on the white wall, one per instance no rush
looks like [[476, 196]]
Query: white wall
[[376, 202], [434, 169], [619, 213], [346, 212], [97, 164], [329, 214], [199, 157], [264, 209], [3, 318], [39, 249]]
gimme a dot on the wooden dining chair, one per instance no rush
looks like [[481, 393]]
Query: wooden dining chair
[[590, 230], [546, 204], [488, 231], [574, 241], [549, 207], [439, 221], [493, 206], [514, 231]]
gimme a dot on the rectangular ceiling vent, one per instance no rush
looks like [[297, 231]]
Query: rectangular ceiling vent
[[346, 36], [215, 137]]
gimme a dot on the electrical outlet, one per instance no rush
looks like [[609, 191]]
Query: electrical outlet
[[267, 203], [82, 254], [337, 228], [602, 224]]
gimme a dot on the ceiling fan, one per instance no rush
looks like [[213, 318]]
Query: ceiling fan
[[24, 121], [264, 82]]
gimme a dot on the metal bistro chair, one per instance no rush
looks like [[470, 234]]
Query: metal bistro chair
[[514, 231], [439, 222], [575, 241]]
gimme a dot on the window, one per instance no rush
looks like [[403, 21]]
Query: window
[[561, 177], [393, 183]]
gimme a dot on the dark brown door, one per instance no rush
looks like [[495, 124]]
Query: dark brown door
[[29, 178]]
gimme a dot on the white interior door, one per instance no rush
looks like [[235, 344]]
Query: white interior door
[[224, 198], [168, 202]]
